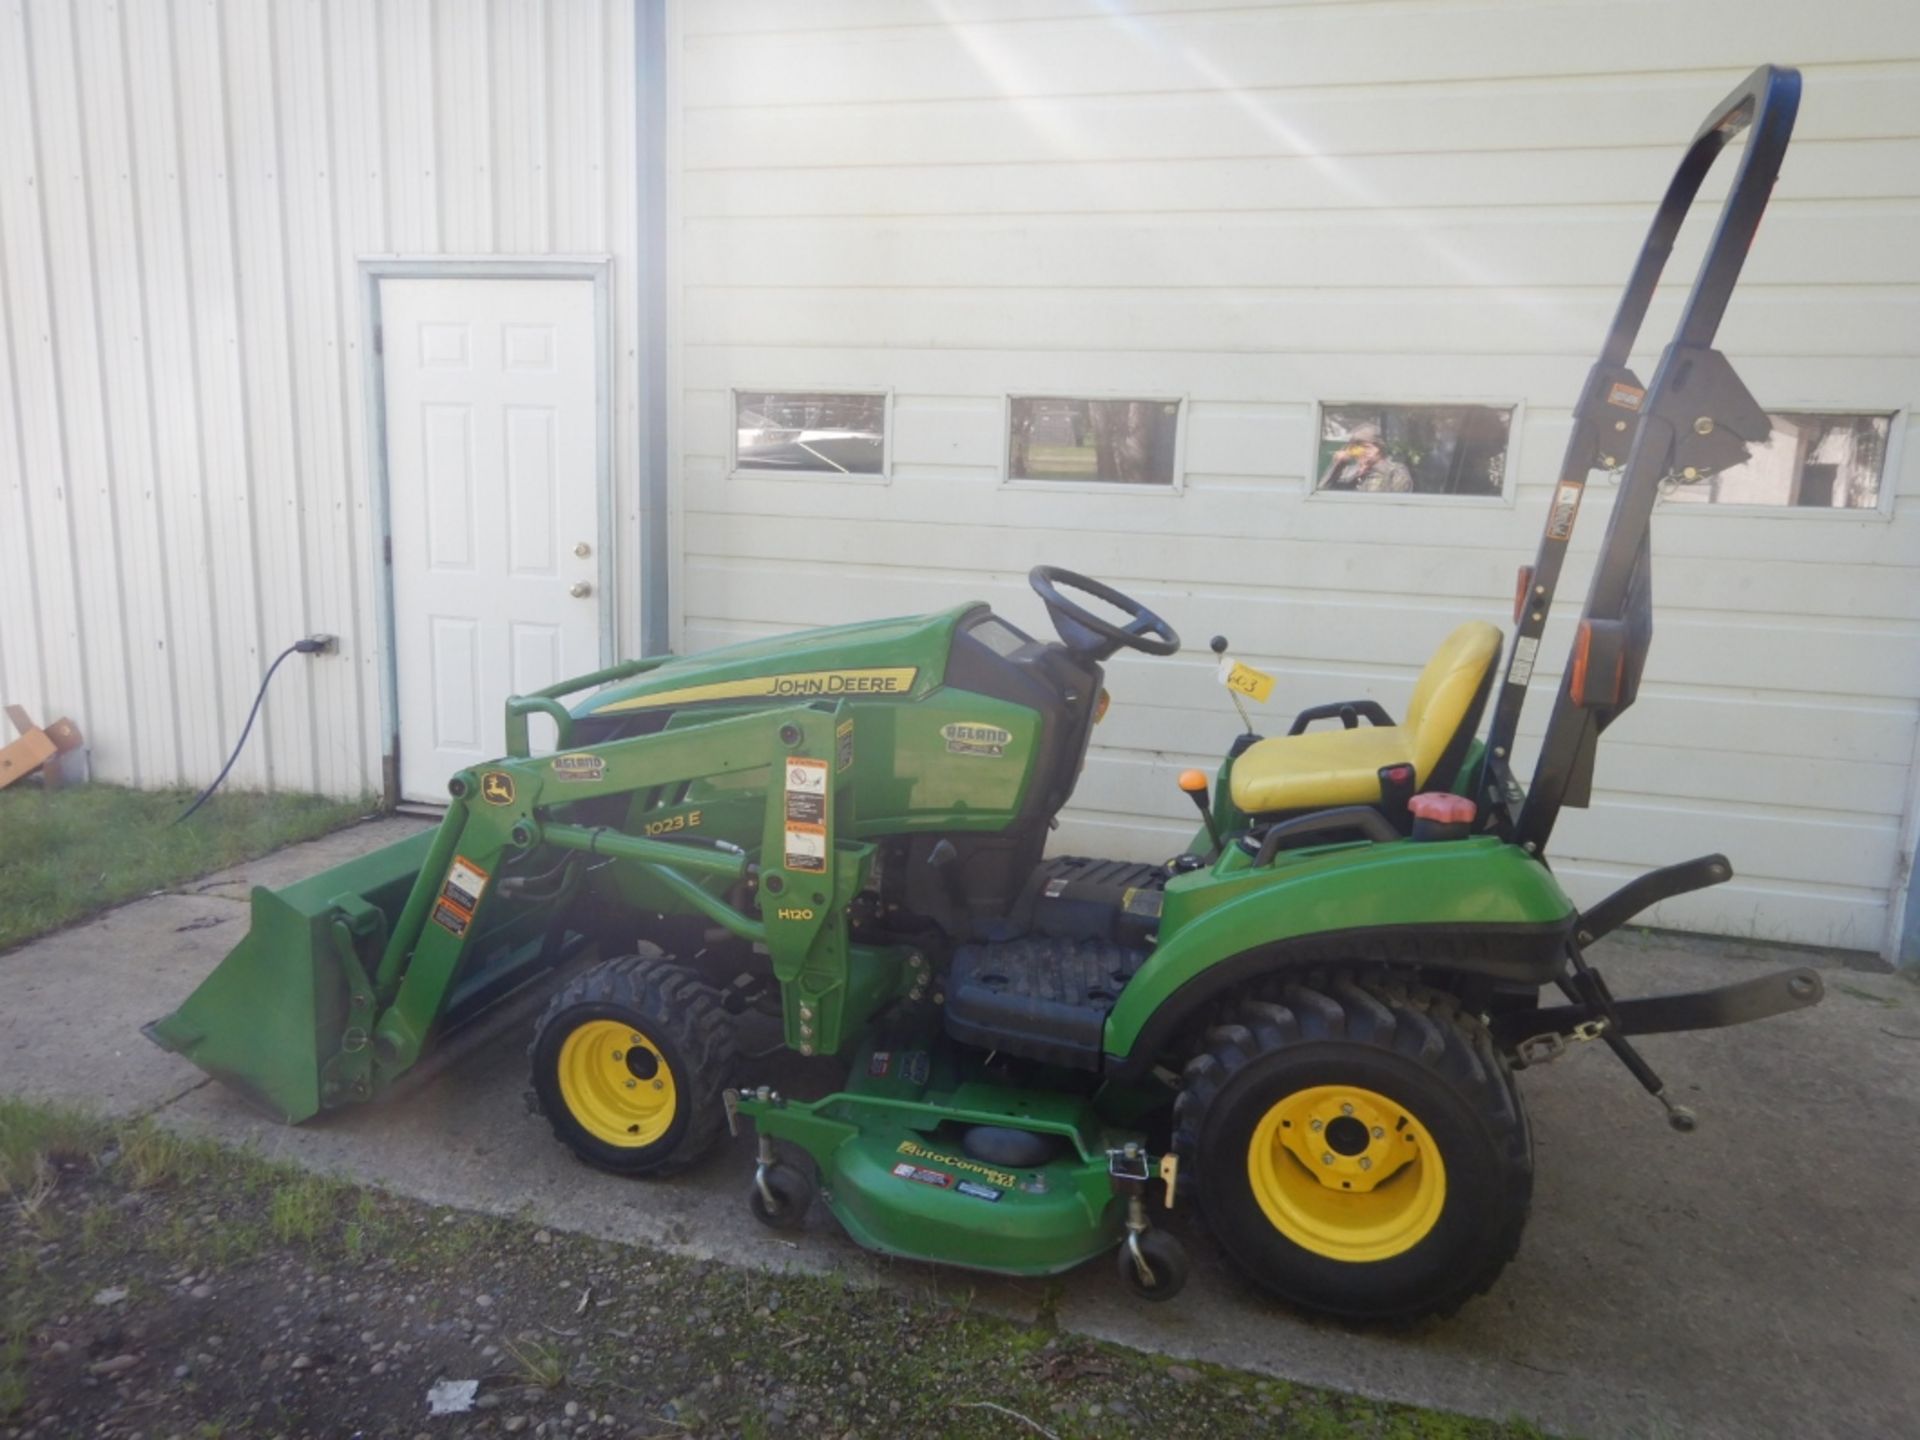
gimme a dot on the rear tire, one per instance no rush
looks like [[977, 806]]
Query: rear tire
[[628, 1065], [1360, 1147]]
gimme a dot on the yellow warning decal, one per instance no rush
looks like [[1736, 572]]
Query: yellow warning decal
[[802, 685]]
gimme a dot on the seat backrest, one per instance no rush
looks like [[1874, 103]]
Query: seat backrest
[[1448, 694]]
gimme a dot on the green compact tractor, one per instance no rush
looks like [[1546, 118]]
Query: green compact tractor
[[1309, 1023]]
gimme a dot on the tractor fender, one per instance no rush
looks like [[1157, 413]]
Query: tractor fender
[[1476, 907]]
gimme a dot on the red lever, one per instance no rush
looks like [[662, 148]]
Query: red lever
[[1445, 809]]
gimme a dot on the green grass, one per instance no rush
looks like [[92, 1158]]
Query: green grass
[[70, 853], [34, 1135], [1064, 462]]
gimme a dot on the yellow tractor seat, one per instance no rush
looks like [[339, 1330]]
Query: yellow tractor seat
[[1320, 769]]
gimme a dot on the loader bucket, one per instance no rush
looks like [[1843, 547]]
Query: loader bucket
[[273, 1013]]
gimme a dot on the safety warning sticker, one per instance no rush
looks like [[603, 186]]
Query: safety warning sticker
[[452, 918], [807, 791], [1627, 397], [1566, 505], [460, 896], [806, 847], [1524, 649], [925, 1176], [466, 882], [806, 813]]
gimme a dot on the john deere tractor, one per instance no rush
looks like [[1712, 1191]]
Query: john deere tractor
[[1308, 1022]]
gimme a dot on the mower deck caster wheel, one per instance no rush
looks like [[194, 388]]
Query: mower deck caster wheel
[[781, 1197], [1153, 1265]]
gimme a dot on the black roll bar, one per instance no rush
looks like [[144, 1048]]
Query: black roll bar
[[1694, 416]]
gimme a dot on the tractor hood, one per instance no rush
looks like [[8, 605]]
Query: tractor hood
[[905, 657]]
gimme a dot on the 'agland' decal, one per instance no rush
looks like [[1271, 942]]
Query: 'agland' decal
[[973, 739]]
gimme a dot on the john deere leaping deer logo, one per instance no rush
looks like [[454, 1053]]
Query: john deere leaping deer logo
[[496, 787]]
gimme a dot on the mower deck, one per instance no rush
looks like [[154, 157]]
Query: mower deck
[[900, 1157]]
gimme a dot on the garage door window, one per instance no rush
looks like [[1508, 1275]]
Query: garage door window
[[1815, 460], [810, 432], [1385, 449], [1118, 442]]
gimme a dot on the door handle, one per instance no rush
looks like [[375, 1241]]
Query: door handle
[[580, 589]]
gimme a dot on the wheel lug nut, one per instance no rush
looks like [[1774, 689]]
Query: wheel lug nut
[[659, 1084], [1327, 1159], [1378, 1133], [633, 1084], [1315, 1126], [619, 1054], [1365, 1163], [1346, 1109]]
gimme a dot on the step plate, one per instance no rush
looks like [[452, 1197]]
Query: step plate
[[1039, 998]]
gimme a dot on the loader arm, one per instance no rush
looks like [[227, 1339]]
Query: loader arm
[[344, 979]]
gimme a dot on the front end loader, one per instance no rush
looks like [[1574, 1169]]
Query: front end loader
[[1310, 1021]]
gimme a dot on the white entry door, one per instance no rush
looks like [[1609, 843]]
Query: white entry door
[[492, 430]]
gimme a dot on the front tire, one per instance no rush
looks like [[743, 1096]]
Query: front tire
[[1360, 1147], [628, 1065]]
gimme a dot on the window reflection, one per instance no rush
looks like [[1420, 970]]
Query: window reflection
[[1824, 461], [1126, 442], [818, 433], [1413, 449]]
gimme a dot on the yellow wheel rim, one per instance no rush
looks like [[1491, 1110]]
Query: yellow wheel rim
[[617, 1084], [1347, 1173]]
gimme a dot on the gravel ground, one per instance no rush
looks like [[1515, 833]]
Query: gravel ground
[[156, 1287]]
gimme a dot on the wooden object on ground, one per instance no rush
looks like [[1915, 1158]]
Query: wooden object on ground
[[36, 747]]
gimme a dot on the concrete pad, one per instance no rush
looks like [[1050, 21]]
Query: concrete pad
[[297, 862], [469, 1140], [1756, 1277], [72, 1004]]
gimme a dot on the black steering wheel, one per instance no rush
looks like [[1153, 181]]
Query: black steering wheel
[[1087, 634]]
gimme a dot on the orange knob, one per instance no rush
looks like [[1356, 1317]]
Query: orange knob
[[1194, 782]]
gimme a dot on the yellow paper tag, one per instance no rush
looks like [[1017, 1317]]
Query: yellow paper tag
[[1239, 676]]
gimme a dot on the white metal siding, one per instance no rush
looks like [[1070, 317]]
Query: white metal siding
[[1263, 205], [186, 188]]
